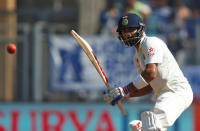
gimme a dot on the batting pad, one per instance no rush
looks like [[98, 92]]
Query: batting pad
[[149, 122]]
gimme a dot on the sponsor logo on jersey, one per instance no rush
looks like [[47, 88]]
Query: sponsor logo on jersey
[[151, 51]]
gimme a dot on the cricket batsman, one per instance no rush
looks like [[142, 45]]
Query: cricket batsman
[[157, 71]]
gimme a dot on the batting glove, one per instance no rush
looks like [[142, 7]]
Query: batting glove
[[114, 95]]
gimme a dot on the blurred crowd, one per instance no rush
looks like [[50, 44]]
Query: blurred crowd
[[174, 21]]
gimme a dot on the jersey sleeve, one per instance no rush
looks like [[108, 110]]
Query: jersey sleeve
[[153, 52], [137, 64]]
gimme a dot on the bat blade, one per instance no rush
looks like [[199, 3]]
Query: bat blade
[[90, 53]]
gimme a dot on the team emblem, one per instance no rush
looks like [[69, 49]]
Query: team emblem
[[125, 21]]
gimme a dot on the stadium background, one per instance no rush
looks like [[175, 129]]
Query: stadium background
[[50, 85]]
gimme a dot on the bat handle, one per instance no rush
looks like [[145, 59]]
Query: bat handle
[[123, 111]]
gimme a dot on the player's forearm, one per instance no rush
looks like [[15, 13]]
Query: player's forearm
[[141, 92], [134, 92]]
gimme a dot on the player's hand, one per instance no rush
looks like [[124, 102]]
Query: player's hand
[[115, 94]]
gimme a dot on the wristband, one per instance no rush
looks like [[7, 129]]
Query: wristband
[[126, 89], [139, 82]]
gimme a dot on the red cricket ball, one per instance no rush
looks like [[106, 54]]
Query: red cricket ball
[[11, 48]]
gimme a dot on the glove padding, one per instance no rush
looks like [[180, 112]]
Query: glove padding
[[114, 95]]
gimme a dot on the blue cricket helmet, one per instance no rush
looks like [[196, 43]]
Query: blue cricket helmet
[[130, 21]]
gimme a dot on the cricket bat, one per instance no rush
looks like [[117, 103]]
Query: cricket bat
[[90, 53]]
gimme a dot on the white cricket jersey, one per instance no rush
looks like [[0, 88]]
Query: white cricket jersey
[[170, 77]]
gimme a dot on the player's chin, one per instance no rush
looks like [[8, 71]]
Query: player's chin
[[128, 43]]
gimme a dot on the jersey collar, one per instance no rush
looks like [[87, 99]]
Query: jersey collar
[[142, 40]]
